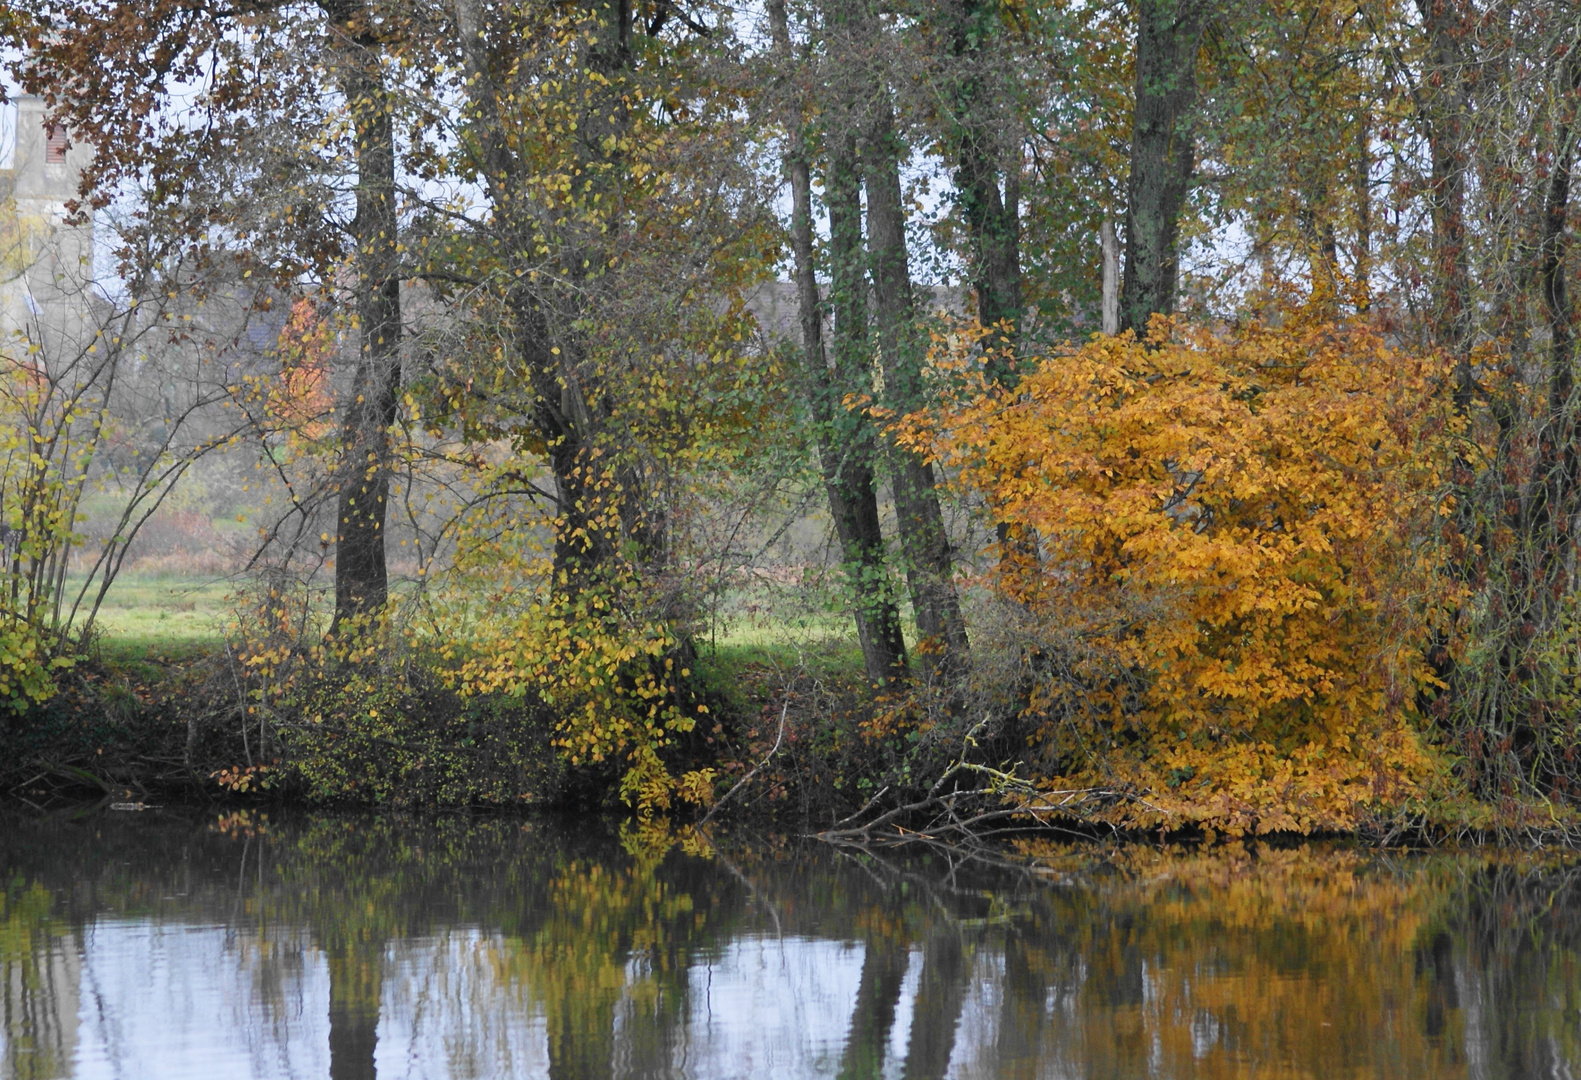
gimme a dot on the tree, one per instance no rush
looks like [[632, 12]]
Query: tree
[[259, 173], [369, 411], [987, 172], [844, 457], [1163, 154]]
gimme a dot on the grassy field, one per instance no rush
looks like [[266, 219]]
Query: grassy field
[[153, 617], [148, 617]]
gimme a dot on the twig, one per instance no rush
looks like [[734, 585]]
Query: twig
[[778, 739]]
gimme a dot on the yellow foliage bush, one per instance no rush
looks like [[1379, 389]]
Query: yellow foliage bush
[[610, 681], [1240, 527], [597, 656]]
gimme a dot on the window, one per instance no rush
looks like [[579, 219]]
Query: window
[[55, 147]]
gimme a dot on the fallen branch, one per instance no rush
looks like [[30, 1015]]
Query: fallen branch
[[971, 817], [739, 784]]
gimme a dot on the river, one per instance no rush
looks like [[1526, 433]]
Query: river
[[170, 944]]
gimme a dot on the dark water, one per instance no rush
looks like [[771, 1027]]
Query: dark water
[[155, 945]]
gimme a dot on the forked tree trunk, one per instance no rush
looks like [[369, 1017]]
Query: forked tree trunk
[[924, 542], [845, 459], [853, 441]]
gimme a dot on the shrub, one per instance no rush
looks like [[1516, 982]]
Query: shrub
[[1227, 539]]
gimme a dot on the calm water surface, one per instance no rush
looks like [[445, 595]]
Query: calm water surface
[[162, 945]]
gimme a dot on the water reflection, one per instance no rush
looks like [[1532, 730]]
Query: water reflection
[[158, 946]]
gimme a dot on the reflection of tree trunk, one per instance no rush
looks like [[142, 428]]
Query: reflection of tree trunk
[[1163, 155], [941, 991], [877, 995], [1021, 1014], [356, 978], [929, 570], [361, 577], [581, 1038], [653, 1029]]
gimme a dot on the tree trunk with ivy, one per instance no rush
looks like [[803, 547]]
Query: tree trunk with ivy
[[1163, 155], [924, 543]]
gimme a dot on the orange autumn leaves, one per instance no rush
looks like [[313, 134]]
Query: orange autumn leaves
[[300, 400], [1241, 526]]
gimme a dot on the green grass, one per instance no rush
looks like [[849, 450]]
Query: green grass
[[148, 617]]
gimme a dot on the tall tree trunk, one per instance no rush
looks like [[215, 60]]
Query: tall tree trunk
[[926, 546], [560, 413], [1163, 155], [1446, 24], [1363, 195], [883, 646], [1556, 499], [583, 540], [844, 442], [992, 214], [1109, 245], [363, 473]]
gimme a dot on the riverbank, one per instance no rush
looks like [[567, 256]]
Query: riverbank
[[791, 738], [796, 748], [144, 718]]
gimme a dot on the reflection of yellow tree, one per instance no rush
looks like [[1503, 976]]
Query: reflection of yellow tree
[[612, 934], [1299, 963], [584, 935], [39, 1020]]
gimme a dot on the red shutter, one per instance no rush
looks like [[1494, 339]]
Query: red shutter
[[55, 148]]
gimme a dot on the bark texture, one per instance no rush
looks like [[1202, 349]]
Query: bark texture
[[853, 440], [988, 187], [1446, 24], [1557, 497], [363, 473], [845, 444], [1163, 155], [924, 542]]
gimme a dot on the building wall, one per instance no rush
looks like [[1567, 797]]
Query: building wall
[[46, 265]]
